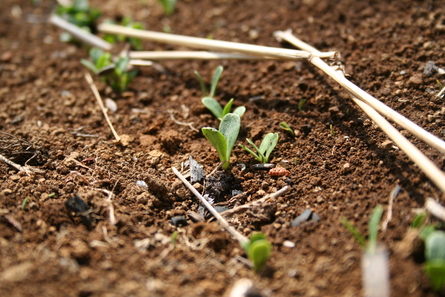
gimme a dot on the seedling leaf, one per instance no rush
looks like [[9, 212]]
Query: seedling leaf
[[227, 108], [374, 222], [217, 140], [202, 84], [268, 144], [240, 110], [90, 65], [354, 231], [213, 106], [229, 127], [215, 79], [435, 246], [436, 271], [258, 250]]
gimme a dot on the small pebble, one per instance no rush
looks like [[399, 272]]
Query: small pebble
[[111, 104], [142, 183], [179, 221], [430, 69], [307, 215], [288, 244], [265, 166]]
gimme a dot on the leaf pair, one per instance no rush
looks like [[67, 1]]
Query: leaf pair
[[211, 103], [266, 147], [258, 250], [224, 139]]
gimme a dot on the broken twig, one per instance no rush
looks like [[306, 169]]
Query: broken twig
[[241, 238]]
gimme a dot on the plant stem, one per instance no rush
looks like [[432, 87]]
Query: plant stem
[[203, 43], [243, 240]]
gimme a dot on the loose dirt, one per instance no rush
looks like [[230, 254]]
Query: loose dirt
[[340, 163]]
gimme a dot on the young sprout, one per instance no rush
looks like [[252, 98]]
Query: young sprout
[[224, 139], [373, 228], [258, 250], [285, 127], [263, 152], [79, 14], [210, 102], [218, 111], [115, 74], [332, 130], [434, 250], [435, 259], [168, 6], [300, 104]]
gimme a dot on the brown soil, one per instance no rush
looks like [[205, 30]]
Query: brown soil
[[47, 105]]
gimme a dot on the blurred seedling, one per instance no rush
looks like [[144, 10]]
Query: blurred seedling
[[79, 14], [285, 127], [371, 245], [258, 250], [333, 133], [210, 102], [116, 74], [224, 139], [267, 145], [434, 250], [25, 203], [301, 104], [168, 6], [135, 43]]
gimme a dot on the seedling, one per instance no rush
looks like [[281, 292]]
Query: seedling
[[115, 74], [434, 250], [373, 228], [25, 203], [435, 259], [300, 104], [210, 102], [135, 43], [168, 6], [285, 127], [79, 14], [333, 133], [258, 250], [224, 139], [217, 109], [263, 152]]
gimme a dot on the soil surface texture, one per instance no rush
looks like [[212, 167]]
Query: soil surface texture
[[95, 219]]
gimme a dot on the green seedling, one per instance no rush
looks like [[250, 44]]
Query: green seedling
[[135, 43], [434, 250], [435, 259], [373, 228], [174, 239], [285, 127], [258, 250], [168, 6], [79, 14], [333, 133], [114, 74], [224, 139], [25, 203], [266, 147], [209, 100], [300, 104], [218, 111]]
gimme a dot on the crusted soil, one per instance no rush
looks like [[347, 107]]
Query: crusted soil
[[50, 114]]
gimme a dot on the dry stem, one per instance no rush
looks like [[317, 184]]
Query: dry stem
[[203, 43], [89, 79], [435, 208], [202, 55], [80, 34], [27, 169], [390, 113], [425, 164], [267, 198], [241, 238]]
